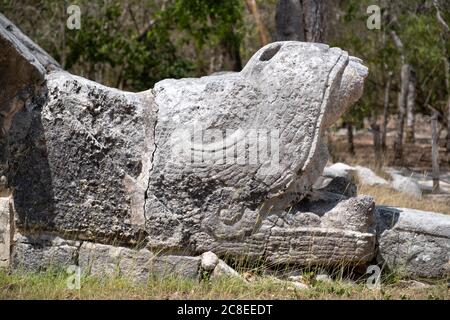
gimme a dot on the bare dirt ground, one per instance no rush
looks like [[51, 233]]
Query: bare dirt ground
[[416, 156], [416, 165]]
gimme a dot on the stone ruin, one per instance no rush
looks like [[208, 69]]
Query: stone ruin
[[145, 183]]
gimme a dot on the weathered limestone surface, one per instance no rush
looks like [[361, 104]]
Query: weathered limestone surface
[[79, 160], [209, 261], [43, 252], [100, 260], [98, 164], [296, 89], [95, 164], [5, 232], [315, 231], [223, 270], [414, 242], [406, 185], [76, 153], [23, 66]]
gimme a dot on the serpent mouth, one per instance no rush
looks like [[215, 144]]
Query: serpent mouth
[[349, 91]]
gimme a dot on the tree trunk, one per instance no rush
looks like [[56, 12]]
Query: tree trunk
[[301, 20], [331, 145], [262, 31], [448, 127], [228, 52], [435, 151], [351, 145], [411, 108], [387, 90], [402, 98], [231, 55], [375, 128]]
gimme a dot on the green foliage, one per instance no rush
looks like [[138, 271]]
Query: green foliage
[[143, 59], [416, 25], [206, 25], [207, 22], [131, 44]]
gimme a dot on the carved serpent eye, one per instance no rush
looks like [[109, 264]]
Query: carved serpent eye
[[270, 52]]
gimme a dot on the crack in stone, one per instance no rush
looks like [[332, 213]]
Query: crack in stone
[[152, 157]]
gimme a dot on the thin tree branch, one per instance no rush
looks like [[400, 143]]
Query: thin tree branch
[[253, 9], [440, 18]]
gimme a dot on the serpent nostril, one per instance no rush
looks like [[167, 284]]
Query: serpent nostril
[[270, 52]]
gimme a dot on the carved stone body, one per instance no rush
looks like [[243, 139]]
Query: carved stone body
[[223, 163]]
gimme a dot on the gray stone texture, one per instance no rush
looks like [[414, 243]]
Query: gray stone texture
[[43, 252], [138, 265], [222, 270], [96, 164], [209, 261], [414, 242], [99, 164], [291, 87], [47, 252], [77, 161], [5, 232], [23, 66]]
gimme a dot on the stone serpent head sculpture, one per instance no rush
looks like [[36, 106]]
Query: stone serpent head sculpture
[[191, 165], [232, 148]]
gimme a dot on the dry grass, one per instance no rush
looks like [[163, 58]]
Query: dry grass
[[53, 286], [390, 197]]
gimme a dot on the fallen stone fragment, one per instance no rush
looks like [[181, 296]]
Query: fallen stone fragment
[[370, 178], [414, 284], [45, 252], [299, 285], [340, 170], [5, 232], [413, 242], [209, 261], [406, 185], [224, 270], [323, 278], [364, 175]]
